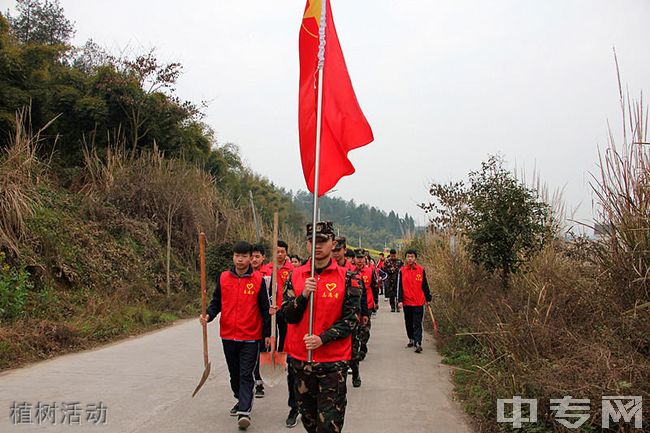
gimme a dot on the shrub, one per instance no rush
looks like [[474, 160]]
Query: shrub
[[14, 285]]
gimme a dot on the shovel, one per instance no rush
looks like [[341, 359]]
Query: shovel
[[433, 319], [206, 362], [273, 364]]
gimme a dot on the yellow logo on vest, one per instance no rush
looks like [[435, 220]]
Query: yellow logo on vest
[[285, 274], [330, 291], [250, 289], [418, 277]]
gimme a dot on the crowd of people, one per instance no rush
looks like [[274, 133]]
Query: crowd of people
[[345, 291]]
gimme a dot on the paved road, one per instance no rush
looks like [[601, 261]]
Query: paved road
[[146, 382]]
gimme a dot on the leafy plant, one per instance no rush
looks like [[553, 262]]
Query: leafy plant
[[506, 221], [14, 285]]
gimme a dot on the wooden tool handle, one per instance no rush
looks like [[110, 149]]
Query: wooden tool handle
[[204, 299], [274, 277]]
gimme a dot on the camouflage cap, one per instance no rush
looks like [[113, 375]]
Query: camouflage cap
[[359, 252], [324, 230], [340, 242]]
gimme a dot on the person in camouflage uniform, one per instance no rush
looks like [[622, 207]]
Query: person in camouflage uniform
[[321, 384], [391, 268], [360, 333]]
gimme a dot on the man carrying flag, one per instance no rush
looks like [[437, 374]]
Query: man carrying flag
[[335, 293], [330, 125]]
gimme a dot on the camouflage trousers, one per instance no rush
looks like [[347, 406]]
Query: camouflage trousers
[[365, 336], [321, 394], [360, 337]]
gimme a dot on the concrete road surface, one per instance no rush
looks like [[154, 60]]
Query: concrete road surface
[[145, 384]]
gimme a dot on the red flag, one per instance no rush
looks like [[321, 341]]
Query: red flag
[[344, 127]]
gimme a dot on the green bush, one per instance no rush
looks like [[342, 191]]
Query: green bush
[[14, 284]]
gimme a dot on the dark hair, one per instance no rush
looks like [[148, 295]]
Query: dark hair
[[415, 253], [242, 247], [349, 253], [381, 254], [293, 256], [393, 251], [283, 244], [259, 248]]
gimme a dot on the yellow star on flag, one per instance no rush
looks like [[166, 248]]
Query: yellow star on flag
[[314, 10]]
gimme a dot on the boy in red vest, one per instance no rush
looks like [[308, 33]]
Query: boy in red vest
[[339, 251], [320, 384], [369, 278], [257, 262], [413, 294], [242, 299]]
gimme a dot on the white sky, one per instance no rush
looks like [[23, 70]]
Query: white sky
[[442, 83]]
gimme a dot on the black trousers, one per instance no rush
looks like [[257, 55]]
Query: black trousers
[[258, 377], [282, 333], [413, 320], [241, 358]]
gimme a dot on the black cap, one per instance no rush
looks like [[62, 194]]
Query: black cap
[[359, 252], [349, 253], [340, 242], [324, 230]]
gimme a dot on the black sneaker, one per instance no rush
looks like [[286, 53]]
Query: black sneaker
[[243, 422], [235, 408], [411, 343], [356, 382], [418, 348], [292, 419], [259, 391]]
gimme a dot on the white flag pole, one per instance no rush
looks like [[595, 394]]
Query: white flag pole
[[319, 109]]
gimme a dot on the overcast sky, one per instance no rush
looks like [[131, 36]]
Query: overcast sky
[[443, 84]]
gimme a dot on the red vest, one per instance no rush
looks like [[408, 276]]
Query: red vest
[[240, 314], [366, 275], [266, 270], [348, 266], [328, 307], [283, 274], [412, 293]]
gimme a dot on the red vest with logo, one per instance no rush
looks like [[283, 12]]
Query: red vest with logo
[[328, 308], [366, 275], [283, 274], [412, 293], [240, 313]]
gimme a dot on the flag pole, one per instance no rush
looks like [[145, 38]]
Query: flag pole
[[319, 109]]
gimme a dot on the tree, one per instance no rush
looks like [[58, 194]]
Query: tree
[[41, 22], [506, 221], [448, 207]]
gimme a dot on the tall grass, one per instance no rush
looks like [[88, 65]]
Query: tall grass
[[20, 170], [622, 188], [170, 192]]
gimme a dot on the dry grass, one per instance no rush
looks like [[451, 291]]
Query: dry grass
[[20, 171], [161, 190], [560, 330], [622, 188]]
